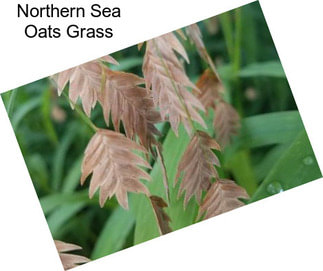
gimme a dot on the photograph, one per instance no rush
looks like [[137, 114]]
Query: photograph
[[161, 135]]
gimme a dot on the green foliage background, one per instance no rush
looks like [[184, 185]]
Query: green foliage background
[[271, 153]]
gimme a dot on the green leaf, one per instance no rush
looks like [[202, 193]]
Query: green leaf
[[60, 155], [72, 180], [23, 110], [114, 233], [38, 171], [269, 69], [271, 128], [265, 165], [297, 166], [53, 201], [62, 214]]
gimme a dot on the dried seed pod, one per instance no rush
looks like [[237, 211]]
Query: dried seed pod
[[197, 165], [69, 260], [114, 166], [211, 89], [194, 33], [222, 196], [226, 119], [165, 76], [125, 101], [226, 122], [85, 82]]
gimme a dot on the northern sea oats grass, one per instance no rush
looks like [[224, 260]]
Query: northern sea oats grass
[[166, 96], [187, 127]]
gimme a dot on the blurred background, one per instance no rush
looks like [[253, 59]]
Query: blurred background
[[271, 153]]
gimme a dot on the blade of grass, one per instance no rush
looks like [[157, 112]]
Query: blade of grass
[[72, 179], [269, 69], [62, 214], [23, 110], [270, 128], [39, 172], [226, 25], [114, 233], [52, 201], [297, 166], [60, 155], [46, 116], [264, 166]]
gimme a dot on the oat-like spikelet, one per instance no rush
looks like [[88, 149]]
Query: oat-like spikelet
[[226, 122], [69, 260], [197, 166], [85, 82], [222, 196], [125, 101], [226, 119], [114, 166], [165, 76], [211, 89], [194, 33]]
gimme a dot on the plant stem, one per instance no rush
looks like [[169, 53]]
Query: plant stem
[[82, 115], [237, 43], [237, 60], [227, 32], [233, 42], [165, 177]]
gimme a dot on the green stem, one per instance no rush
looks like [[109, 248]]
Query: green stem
[[237, 44], [226, 26], [165, 177], [82, 114], [236, 61], [233, 42]]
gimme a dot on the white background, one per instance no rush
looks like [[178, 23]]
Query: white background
[[283, 232]]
